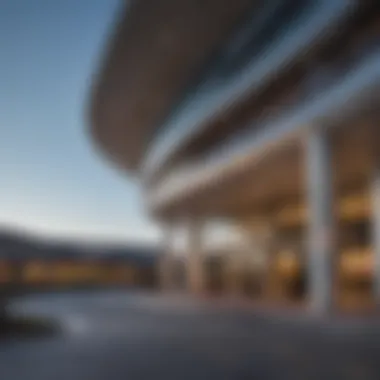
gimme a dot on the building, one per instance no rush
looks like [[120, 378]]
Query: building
[[31, 264], [258, 115]]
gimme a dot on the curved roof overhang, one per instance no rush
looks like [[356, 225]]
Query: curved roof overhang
[[314, 29], [352, 98], [157, 49]]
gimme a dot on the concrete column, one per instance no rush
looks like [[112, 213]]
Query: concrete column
[[195, 261], [264, 235], [233, 274], [166, 261], [272, 286], [321, 223], [259, 231], [375, 197]]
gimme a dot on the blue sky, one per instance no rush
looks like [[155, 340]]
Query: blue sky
[[52, 179]]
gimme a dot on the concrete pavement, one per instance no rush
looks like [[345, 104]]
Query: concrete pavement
[[115, 335]]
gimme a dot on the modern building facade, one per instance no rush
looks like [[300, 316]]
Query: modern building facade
[[261, 115]]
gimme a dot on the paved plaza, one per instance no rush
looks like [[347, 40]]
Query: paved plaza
[[118, 335]]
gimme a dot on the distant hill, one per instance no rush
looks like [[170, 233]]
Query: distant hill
[[17, 245]]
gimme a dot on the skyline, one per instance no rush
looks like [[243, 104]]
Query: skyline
[[54, 181]]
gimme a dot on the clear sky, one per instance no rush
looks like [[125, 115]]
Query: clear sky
[[52, 180]]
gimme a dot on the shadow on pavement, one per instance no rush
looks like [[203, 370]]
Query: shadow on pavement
[[24, 327]]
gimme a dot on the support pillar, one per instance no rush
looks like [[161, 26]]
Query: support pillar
[[195, 262], [272, 286], [321, 221], [265, 236], [166, 262], [233, 274], [375, 222]]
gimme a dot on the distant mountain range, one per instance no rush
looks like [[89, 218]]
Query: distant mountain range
[[17, 245]]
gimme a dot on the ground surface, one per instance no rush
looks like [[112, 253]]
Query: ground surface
[[116, 335]]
